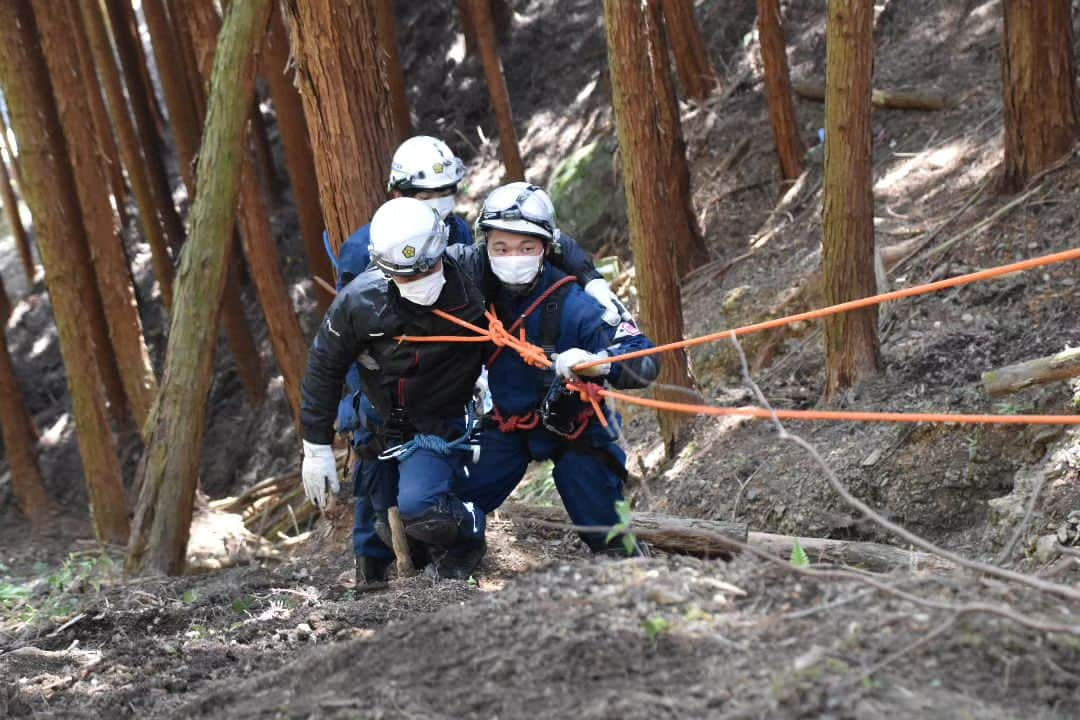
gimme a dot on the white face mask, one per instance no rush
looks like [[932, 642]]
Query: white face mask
[[516, 269], [424, 291], [445, 205]]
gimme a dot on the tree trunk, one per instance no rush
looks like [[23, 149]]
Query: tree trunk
[[103, 128], [851, 339], [130, 150], [1039, 80], [387, 29], [286, 336], [501, 13], [662, 227], [50, 192], [484, 27], [183, 114], [163, 515], [61, 44], [696, 72], [18, 231], [347, 106], [785, 125], [17, 428], [301, 164], [186, 57], [143, 108]]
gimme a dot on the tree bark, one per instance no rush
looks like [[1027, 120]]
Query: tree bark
[[1039, 80], [264, 155], [18, 231], [1014, 378], [851, 339], [785, 125], [20, 439], [50, 192], [16, 168], [663, 231], [347, 107], [141, 97], [501, 13], [196, 19], [103, 128], [130, 150], [399, 101], [298, 157], [183, 113], [484, 28], [286, 336], [163, 515], [61, 42], [696, 72]]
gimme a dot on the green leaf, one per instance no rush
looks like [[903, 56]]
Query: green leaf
[[654, 626], [629, 543], [798, 555], [190, 596], [622, 508]]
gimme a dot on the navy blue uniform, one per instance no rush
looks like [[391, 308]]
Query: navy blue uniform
[[589, 470]]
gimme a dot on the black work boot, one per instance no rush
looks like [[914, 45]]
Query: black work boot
[[457, 562], [370, 573]]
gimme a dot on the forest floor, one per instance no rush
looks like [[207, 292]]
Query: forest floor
[[544, 629]]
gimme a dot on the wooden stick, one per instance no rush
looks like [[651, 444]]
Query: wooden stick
[[868, 555], [401, 544], [1013, 378]]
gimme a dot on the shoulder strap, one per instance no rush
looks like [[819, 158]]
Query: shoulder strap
[[551, 319]]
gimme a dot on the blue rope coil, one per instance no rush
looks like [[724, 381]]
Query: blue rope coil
[[434, 443]]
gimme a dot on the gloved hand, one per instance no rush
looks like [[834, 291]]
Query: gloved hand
[[565, 361], [318, 470], [614, 311]]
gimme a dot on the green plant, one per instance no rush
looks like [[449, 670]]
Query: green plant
[[190, 596], [622, 509], [798, 555], [243, 604], [655, 626]]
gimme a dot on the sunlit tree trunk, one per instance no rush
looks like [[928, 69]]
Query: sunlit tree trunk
[[347, 107], [50, 192], [696, 72], [61, 42], [851, 339], [653, 160], [487, 42], [789, 144], [163, 515], [1039, 79], [294, 137]]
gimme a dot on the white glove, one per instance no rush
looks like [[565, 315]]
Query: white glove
[[565, 362], [318, 470], [482, 394], [614, 311]]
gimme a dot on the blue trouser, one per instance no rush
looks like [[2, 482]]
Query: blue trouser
[[587, 473], [416, 484]]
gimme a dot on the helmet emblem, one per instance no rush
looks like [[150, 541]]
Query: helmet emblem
[[437, 167], [408, 251]]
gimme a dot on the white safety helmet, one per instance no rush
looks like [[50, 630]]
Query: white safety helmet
[[424, 163], [408, 237], [521, 208]]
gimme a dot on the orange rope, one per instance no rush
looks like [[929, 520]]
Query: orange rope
[[846, 306], [535, 356]]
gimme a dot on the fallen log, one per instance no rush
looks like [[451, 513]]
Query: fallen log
[[867, 555], [685, 536], [711, 538], [895, 99], [1013, 378]]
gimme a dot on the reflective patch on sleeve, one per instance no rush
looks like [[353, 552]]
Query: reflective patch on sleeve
[[626, 329]]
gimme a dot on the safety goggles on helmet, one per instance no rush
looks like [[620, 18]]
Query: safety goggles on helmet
[[515, 212], [445, 174], [418, 254]]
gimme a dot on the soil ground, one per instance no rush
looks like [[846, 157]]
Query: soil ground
[[545, 629]]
